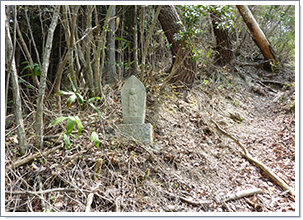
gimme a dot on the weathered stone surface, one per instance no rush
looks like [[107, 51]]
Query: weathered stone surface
[[143, 133], [133, 97]]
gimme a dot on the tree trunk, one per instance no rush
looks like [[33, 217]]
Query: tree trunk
[[259, 37], [70, 35], [223, 49], [130, 53], [135, 34], [101, 46], [151, 30], [171, 25], [44, 69], [88, 52], [16, 93], [111, 75], [29, 57]]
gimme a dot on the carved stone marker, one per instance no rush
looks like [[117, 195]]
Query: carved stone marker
[[133, 98]]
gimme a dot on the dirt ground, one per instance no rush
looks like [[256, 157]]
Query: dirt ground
[[191, 166]]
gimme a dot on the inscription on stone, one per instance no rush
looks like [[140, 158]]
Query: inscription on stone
[[133, 96]]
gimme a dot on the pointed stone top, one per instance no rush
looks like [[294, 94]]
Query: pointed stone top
[[133, 97]]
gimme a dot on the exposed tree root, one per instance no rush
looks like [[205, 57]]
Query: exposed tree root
[[266, 169], [34, 156]]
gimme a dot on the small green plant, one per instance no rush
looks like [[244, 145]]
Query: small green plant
[[35, 69], [205, 82], [235, 103], [73, 95], [287, 85], [95, 138], [16, 152], [71, 121]]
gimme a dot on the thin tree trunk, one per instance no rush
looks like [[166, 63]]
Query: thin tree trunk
[[16, 92], [68, 29], [151, 30], [111, 75], [135, 34], [142, 29], [35, 78], [97, 54], [259, 37], [120, 57], [102, 42], [88, 52], [73, 11], [99, 51], [44, 69], [70, 43]]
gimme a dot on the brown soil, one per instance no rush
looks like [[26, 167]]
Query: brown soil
[[191, 166]]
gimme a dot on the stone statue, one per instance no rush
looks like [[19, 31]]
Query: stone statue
[[133, 98]]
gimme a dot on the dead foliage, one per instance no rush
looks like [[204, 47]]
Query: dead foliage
[[191, 167]]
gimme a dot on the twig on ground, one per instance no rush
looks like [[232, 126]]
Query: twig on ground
[[191, 201], [89, 202], [34, 156], [43, 191], [240, 194], [90, 198]]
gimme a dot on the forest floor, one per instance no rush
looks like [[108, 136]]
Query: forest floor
[[192, 165]]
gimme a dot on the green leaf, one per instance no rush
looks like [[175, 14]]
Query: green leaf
[[94, 98], [94, 107], [29, 66], [70, 125], [125, 45], [71, 99], [37, 71], [80, 98], [80, 126], [121, 39], [73, 86], [21, 80], [58, 120], [95, 138], [66, 141], [74, 136]]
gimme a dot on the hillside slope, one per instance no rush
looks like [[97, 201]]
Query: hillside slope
[[190, 168]]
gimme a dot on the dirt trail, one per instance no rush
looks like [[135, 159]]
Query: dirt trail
[[215, 163]]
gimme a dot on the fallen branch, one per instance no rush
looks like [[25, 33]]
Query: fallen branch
[[90, 198], [273, 82], [240, 194], [266, 169], [41, 191], [268, 87], [34, 156], [195, 202], [189, 200]]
